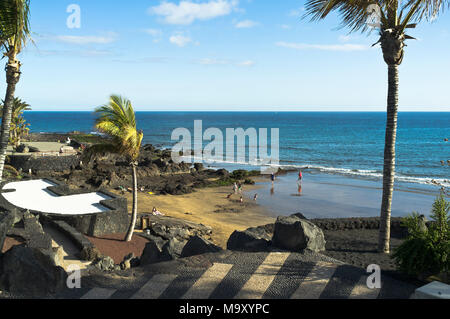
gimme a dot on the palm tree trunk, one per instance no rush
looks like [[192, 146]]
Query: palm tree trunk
[[12, 78], [134, 212], [389, 160]]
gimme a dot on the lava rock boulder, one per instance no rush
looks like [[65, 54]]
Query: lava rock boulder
[[294, 233], [29, 271], [198, 246], [252, 240]]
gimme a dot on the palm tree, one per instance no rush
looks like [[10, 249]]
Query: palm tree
[[18, 127], [14, 34], [394, 17], [118, 122]]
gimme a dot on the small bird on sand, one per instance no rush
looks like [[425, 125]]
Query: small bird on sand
[[255, 197]]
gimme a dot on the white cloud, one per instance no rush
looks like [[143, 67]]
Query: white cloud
[[186, 12], [246, 24], [109, 38], [180, 40], [78, 53], [247, 63], [325, 47], [153, 32], [344, 38], [297, 12], [208, 61], [225, 62], [144, 60]]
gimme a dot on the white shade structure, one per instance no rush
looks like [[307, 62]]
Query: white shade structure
[[34, 195]]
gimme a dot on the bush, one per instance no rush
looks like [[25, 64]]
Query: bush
[[248, 181], [427, 249], [239, 174]]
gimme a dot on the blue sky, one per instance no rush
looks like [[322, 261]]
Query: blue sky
[[221, 55]]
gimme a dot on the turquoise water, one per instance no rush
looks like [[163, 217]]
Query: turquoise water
[[350, 144]]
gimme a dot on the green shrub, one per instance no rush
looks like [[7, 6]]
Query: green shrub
[[427, 249], [248, 181], [222, 182], [239, 174]]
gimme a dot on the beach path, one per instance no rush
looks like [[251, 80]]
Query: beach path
[[241, 275]]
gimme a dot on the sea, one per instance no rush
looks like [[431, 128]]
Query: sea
[[344, 143], [331, 148]]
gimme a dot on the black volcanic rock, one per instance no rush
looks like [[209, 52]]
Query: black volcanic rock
[[252, 239], [29, 271]]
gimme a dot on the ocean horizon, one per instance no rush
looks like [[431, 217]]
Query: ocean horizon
[[344, 143]]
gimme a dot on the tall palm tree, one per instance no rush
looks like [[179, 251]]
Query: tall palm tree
[[14, 35], [18, 127], [117, 120], [394, 17]]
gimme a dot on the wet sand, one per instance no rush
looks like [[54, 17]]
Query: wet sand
[[335, 196]]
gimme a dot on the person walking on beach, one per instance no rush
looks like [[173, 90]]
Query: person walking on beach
[[272, 177], [235, 188], [300, 176], [240, 188]]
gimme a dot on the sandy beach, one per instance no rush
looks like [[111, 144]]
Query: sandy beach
[[322, 196], [209, 206]]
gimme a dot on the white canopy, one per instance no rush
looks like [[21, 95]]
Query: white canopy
[[34, 195]]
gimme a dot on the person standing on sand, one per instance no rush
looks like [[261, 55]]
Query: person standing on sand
[[272, 177], [300, 176], [235, 188]]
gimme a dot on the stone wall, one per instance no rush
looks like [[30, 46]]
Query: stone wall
[[116, 220], [348, 223], [43, 163]]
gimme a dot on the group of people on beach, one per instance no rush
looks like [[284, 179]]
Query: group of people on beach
[[299, 183], [237, 187]]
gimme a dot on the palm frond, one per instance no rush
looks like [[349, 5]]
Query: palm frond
[[353, 13], [14, 24], [419, 10], [394, 14], [117, 120], [18, 108]]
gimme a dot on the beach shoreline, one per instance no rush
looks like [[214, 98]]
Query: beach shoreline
[[335, 196], [322, 195]]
